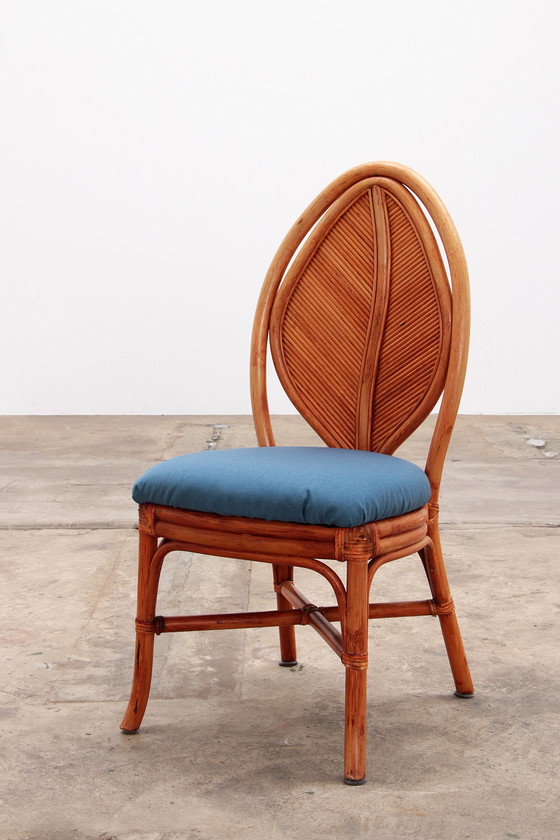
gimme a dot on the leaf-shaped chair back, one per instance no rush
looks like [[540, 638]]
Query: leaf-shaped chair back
[[366, 327]]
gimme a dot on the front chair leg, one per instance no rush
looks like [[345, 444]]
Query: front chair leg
[[432, 558], [148, 578], [288, 654], [355, 726], [355, 659]]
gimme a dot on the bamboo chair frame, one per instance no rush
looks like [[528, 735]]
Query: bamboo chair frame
[[364, 549]]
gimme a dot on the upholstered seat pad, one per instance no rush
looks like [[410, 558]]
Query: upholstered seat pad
[[309, 485]]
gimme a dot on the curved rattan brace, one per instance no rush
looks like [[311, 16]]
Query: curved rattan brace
[[376, 562]]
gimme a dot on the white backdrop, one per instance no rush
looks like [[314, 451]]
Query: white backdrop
[[153, 154]]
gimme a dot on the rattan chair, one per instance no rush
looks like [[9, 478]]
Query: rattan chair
[[367, 329]]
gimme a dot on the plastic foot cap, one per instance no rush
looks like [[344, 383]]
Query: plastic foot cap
[[354, 782], [288, 664], [128, 731], [462, 694]]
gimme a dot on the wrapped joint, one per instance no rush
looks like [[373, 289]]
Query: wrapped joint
[[433, 513], [306, 610], [355, 661], [446, 608], [156, 625], [358, 543], [143, 626]]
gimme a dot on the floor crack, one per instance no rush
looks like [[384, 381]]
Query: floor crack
[[216, 436]]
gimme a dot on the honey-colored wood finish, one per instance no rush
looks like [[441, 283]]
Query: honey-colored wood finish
[[368, 328]]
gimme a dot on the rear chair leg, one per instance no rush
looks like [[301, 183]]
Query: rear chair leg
[[432, 558], [148, 579], [288, 655]]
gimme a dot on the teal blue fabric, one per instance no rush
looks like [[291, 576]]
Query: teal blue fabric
[[310, 485]]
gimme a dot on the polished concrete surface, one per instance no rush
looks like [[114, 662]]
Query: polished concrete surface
[[233, 746]]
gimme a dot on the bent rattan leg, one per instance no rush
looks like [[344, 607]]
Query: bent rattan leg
[[288, 654], [432, 558], [145, 630]]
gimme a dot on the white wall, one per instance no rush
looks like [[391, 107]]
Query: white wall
[[153, 154]]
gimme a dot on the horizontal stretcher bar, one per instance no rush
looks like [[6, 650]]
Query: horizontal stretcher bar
[[282, 618]]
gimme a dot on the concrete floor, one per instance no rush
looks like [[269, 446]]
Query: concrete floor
[[233, 746]]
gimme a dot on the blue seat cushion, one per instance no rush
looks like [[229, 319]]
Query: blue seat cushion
[[304, 484]]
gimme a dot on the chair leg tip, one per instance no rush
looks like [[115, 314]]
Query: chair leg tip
[[354, 782], [289, 664], [464, 695]]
